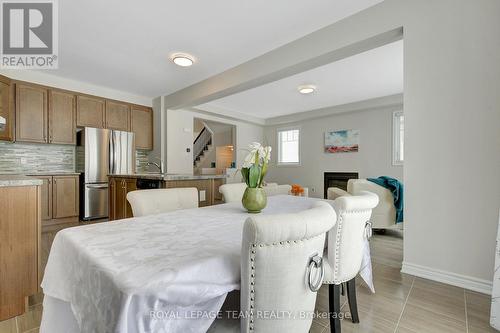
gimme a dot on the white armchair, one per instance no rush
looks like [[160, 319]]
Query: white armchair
[[384, 215], [345, 251], [156, 201]]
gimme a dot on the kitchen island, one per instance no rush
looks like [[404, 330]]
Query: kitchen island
[[120, 185]]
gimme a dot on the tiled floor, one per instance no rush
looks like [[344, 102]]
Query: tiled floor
[[406, 304], [401, 303]]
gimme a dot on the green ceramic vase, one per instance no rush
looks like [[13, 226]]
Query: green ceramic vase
[[254, 199]]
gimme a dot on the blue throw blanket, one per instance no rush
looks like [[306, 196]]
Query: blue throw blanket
[[396, 188]]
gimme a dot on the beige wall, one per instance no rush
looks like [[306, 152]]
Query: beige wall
[[373, 159]]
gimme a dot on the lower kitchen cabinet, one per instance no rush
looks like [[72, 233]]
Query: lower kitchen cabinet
[[19, 248], [65, 196], [119, 208], [59, 199]]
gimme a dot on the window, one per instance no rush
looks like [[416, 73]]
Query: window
[[398, 137], [288, 146]]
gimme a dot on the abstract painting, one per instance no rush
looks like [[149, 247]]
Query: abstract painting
[[343, 141]]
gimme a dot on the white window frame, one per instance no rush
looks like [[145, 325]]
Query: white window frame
[[287, 164], [396, 137]]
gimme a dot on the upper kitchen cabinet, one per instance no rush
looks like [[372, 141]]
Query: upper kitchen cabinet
[[117, 116], [31, 113], [62, 117], [6, 110], [90, 112], [141, 123]]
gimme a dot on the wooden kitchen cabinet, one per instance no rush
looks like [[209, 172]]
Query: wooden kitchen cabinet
[[60, 199], [31, 113], [141, 123], [90, 112], [42, 114], [117, 116], [46, 197], [119, 208], [111, 199], [19, 248], [6, 108], [65, 196], [62, 117]]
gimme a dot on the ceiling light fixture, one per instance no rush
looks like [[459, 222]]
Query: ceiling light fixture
[[182, 59], [306, 89]]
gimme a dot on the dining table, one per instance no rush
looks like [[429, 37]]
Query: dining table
[[168, 272]]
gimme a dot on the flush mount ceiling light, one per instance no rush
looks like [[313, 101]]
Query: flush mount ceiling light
[[306, 89], [182, 59]]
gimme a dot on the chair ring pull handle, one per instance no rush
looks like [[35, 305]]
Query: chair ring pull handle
[[315, 262]]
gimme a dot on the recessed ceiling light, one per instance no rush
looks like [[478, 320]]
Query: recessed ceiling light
[[182, 59], [306, 89]]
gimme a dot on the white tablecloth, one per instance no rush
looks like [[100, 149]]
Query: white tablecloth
[[150, 274]]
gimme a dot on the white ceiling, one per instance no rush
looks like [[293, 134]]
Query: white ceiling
[[375, 73], [125, 44]]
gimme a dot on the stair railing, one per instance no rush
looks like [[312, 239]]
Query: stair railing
[[202, 140]]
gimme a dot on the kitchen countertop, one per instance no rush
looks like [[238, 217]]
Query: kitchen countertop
[[169, 176], [18, 180], [62, 173]]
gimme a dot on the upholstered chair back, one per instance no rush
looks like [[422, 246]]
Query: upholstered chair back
[[276, 251], [156, 201], [232, 192], [275, 189], [345, 240]]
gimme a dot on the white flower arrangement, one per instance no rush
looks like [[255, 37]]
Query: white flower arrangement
[[254, 167]]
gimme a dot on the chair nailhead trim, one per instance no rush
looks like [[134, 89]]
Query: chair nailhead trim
[[337, 245], [252, 283], [252, 271]]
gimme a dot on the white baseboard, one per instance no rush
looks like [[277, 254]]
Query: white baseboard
[[462, 281]]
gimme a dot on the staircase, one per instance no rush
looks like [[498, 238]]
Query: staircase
[[202, 145]]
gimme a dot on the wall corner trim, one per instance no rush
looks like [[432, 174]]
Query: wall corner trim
[[458, 280]]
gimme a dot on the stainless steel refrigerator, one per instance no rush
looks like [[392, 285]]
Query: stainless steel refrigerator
[[101, 152]]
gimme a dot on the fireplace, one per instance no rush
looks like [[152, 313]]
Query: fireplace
[[337, 179]]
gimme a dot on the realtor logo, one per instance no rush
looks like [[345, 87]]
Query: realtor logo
[[29, 34]]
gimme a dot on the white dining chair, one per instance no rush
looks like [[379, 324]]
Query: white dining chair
[[276, 256], [275, 189], [232, 192], [281, 270], [345, 251], [156, 201]]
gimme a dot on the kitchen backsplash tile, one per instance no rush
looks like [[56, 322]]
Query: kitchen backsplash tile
[[141, 158], [36, 158], [39, 158]]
